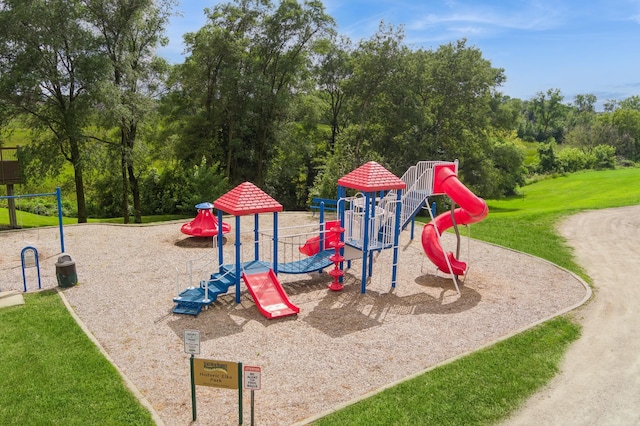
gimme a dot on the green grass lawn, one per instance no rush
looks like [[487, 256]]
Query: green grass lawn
[[52, 374], [479, 389]]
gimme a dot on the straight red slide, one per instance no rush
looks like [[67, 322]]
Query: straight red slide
[[472, 209], [268, 294]]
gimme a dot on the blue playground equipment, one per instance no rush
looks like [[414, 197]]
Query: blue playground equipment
[[370, 221]]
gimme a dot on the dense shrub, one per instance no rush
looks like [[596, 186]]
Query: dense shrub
[[605, 157], [547, 155], [176, 190], [571, 160]]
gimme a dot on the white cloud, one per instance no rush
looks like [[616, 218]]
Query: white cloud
[[460, 17]]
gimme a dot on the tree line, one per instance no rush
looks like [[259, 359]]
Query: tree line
[[270, 93]]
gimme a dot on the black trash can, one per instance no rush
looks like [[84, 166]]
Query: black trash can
[[66, 271]]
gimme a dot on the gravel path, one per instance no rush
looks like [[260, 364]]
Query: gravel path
[[341, 346], [599, 383]]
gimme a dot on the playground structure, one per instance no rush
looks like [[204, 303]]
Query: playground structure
[[205, 224], [368, 221]]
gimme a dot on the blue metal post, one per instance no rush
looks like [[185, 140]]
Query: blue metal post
[[396, 239], [321, 240], [238, 259], [220, 242], [365, 243], [413, 227], [256, 237], [275, 242], [374, 232], [59, 199]]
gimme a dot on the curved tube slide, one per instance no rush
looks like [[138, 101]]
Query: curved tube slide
[[472, 209]]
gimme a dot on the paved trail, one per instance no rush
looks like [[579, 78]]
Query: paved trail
[[600, 379]]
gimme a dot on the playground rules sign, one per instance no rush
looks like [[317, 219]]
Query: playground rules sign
[[251, 377]]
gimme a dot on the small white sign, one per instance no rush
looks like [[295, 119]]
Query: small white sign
[[29, 257], [252, 377], [192, 342]]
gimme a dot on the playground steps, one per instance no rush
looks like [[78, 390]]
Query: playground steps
[[412, 202], [192, 300]]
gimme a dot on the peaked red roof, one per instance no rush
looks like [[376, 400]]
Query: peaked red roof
[[371, 177], [247, 198]]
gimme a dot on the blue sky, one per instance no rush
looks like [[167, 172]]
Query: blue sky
[[578, 47]]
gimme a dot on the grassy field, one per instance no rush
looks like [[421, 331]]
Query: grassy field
[[528, 222], [479, 389], [52, 374]]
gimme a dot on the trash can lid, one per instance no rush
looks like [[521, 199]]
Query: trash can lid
[[65, 260]]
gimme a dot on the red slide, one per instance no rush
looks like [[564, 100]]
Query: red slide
[[312, 245], [268, 294], [472, 209]]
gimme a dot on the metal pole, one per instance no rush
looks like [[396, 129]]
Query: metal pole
[[253, 401], [59, 198], [396, 238], [275, 242], [256, 237], [193, 390], [240, 392], [238, 259], [365, 242], [220, 242]]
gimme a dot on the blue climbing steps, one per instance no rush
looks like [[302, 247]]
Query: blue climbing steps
[[192, 300]]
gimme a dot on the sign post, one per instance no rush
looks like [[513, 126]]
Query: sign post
[[213, 373], [192, 346], [252, 381]]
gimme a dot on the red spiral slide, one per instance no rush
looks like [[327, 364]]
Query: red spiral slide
[[472, 209]]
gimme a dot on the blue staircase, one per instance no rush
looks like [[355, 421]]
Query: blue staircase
[[192, 300]]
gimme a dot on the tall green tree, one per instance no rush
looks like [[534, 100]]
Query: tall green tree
[[50, 65], [627, 124], [370, 88], [247, 64], [548, 115], [332, 72], [130, 32], [211, 84]]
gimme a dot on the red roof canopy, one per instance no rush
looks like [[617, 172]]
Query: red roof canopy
[[247, 198], [371, 177]]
